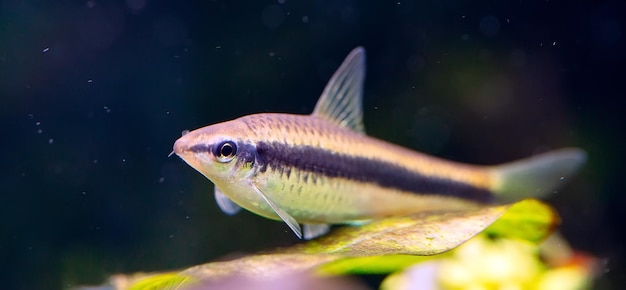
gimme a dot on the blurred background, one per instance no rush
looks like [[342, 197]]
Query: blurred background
[[94, 93]]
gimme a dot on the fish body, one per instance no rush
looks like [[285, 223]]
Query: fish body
[[322, 168]]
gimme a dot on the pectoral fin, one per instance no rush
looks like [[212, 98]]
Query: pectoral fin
[[312, 231], [225, 204], [289, 220]]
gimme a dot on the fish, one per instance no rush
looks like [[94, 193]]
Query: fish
[[322, 169]]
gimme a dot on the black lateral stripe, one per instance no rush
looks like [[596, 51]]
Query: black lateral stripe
[[199, 148], [278, 156]]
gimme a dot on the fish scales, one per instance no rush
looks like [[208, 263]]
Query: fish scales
[[336, 152], [313, 172]]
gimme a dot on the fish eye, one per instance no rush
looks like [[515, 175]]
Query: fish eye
[[225, 151]]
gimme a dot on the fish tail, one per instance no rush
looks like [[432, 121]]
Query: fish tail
[[536, 176]]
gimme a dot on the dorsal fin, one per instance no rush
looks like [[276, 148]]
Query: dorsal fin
[[341, 100]]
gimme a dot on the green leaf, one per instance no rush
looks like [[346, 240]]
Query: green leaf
[[371, 265], [260, 266], [529, 219], [162, 281], [381, 246], [422, 234]]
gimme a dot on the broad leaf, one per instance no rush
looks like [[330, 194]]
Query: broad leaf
[[529, 219], [382, 246], [423, 234]]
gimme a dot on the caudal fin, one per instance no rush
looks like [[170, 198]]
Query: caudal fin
[[537, 176]]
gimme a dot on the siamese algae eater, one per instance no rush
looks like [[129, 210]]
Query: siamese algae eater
[[322, 168]]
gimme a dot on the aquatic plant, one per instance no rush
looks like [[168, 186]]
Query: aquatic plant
[[493, 247]]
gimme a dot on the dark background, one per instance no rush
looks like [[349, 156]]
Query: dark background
[[94, 93]]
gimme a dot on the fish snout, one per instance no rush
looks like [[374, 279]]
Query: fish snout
[[180, 146]]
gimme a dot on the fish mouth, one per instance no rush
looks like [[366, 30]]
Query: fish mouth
[[180, 146]]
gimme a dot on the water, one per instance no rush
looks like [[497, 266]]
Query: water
[[95, 93]]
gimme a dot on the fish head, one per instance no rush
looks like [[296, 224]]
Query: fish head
[[220, 152]]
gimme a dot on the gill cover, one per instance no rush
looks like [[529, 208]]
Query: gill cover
[[248, 163]]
